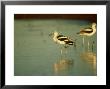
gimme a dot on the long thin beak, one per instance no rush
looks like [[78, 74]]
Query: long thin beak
[[50, 34]]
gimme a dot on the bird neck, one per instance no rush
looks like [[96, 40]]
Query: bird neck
[[55, 35], [94, 29]]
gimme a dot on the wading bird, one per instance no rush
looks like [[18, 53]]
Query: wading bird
[[88, 32], [63, 40]]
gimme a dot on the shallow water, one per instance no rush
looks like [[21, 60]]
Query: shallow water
[[35, 53]]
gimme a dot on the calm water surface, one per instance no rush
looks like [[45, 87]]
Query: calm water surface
[[35, 53]]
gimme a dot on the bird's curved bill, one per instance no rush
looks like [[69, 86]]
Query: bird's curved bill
[[50, 34]]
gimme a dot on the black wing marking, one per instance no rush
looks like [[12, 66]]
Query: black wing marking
[[87, 31], [65, 39], [69, 42], [62, 38]]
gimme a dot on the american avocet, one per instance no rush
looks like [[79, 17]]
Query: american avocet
[[63, 40], [88, 32]]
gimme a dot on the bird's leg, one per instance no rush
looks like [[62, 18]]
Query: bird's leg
[[83, 41], [88, 44], [61, 51], [65, 46], [65, 49], [93, 46]]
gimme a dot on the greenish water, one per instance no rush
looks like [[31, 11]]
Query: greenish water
[[35, 53]]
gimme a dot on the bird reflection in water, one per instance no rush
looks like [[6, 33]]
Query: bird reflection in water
[[63, 66], [90, 58]]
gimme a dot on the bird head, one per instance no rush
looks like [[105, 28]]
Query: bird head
[[50, 34], [94, 24], [55, 33]]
